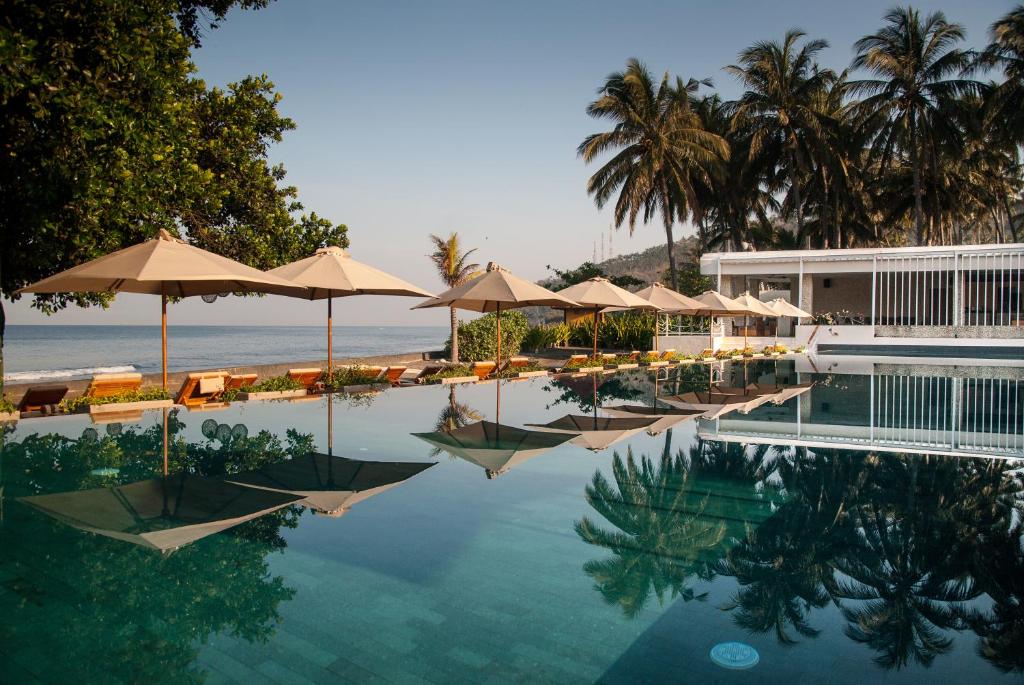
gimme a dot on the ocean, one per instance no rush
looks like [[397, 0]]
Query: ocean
[[41, 353]]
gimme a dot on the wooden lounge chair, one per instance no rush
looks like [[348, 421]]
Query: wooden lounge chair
[[634, 356], [242, 380], [420, 374], [200, 388], [518, 362], [706, 353], [609, 356], [42, 398], [482, 369], [668, 354], [393, 374], [308, 377], [111, 384]]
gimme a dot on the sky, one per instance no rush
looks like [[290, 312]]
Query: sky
[[416, 118]]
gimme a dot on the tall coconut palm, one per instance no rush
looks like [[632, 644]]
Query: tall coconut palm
[[1006, 51], [917, 67], [782, 81], [454, 268], [662, 150]]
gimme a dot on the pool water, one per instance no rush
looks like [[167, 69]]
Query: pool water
[[842, 533]]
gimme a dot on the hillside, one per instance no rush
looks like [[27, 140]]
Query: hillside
[[647, 265]]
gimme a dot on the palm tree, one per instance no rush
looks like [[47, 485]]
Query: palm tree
[[662, 150], [454, 268], [781, 82], [1006, 51], [917, 67]]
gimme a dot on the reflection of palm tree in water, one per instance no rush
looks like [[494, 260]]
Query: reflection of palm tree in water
[[455, 415], [673, 523]]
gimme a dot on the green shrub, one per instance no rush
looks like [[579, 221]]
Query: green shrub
[[274, 384], [142, 395], [6, 406], [585, 362], [349, 375], [625, 331], [510, 372], [477, 337], [456, 371], [541, 337]]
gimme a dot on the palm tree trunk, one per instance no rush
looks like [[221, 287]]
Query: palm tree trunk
[[455, 335], [670, 246], [794, 179], [915, 165]]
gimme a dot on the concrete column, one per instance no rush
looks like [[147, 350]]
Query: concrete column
[[806, 294]]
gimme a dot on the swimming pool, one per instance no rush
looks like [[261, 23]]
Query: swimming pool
[[539, 530]]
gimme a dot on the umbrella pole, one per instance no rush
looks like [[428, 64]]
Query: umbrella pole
[[657, 320], [330, 339], [165, 442], [163, 333], [330, 424], [745, 326], [596, 313], [497, 361], [711, 334]]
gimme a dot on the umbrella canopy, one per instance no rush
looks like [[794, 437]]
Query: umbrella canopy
[[667, 417], [494, 447], [599, 293], [783, 308], [331, 273], [714, 304], [330, 485], [715, 404], [668, 300], [496, 290], [596, 433], [163, 266], [162, 513]]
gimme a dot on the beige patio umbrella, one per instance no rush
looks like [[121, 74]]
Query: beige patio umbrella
[[714, 304], [162, 514], [669, 301], [783, 308], [494, 447], [331, 273], [167, 267], [599, 293], [497, 290], [756, 306], [327, 484]]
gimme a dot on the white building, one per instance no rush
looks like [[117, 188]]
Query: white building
[[961, 301]]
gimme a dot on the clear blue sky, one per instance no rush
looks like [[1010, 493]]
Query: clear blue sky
[[417, 118]]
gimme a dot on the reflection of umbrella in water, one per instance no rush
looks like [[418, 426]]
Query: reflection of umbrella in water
[[161, 513], [715, 404], [494, 447], [596, 433], [667, 417], [327, 484]]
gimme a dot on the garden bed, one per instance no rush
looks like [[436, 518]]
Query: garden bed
[[453, 380], [121, 407], [272, 395], [9, 416], [364, 388], [655, 365]]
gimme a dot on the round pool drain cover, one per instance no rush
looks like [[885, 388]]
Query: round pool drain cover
[[735, 655]]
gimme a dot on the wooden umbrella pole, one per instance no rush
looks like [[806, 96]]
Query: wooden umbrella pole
[[497, 360], [163, 332], [165, 442], [330, 424], [596, 313], [657, 319], [330, 334]]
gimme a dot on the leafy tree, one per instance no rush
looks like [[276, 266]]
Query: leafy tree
[[478, 336], [662, 150], [918, 67], [454, 268], [588, 270], [106, 136]]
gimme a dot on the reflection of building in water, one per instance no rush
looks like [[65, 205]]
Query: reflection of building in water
[[965, 411]]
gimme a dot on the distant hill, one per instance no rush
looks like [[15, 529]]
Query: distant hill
[[648, 265]]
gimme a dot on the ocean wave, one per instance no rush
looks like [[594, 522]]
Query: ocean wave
[[52, 374]]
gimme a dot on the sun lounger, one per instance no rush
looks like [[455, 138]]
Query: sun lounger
[[482, 369], [518, 362], [635, 355], [706, 352], [419, 374], [200, 388], [111, 384], [668, 354], [393, 374], [42, 398], [237, 382], [308, 377], [609, 357]]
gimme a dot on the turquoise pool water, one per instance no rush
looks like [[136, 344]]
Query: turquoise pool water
[[843, 532]]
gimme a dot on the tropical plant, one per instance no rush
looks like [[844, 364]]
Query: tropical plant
[[479, 335], [918, 69], [454, 268], [274, 384], [141, 395], [662, 150]]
